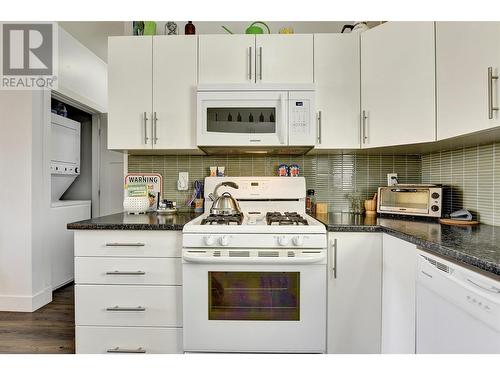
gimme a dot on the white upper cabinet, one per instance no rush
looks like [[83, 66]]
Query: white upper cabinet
[[398, 84], [130, 88], [284, 58], [354, 292], [226, 59], [152, 92], [174, 91], [466, 93], [240, 59], [337, 81]]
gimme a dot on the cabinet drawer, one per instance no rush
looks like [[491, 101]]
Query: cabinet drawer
[[102, 340], [126, 305], [122, 243], [115, 271]]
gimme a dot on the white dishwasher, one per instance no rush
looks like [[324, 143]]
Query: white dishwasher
[[458, 310]]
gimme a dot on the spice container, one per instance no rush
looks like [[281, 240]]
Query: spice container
[[310, 201]]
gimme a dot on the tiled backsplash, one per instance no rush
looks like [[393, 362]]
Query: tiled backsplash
[[472, 176], [334, 176]]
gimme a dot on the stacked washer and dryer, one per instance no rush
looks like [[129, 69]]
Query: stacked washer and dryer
[[65, 156]]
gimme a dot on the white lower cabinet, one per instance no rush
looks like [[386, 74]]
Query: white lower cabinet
[[149, 340], [128, 296], [354, 292], [398, 296], [128, 305]]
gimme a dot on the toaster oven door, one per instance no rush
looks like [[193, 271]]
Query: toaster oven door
[[404, 200]]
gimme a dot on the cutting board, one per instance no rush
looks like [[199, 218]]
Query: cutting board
[[458, 222]]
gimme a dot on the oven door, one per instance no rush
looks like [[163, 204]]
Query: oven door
[[262, 307], [242, 118]]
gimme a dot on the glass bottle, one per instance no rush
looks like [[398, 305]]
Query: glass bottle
[[189, 29], [250, 118], [261, 117], [271, 118], [310, 201], [239, 117], [229, 117]]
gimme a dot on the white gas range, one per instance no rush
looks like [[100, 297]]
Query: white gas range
[[255, 282]]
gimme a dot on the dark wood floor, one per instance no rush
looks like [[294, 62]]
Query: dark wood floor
[[49, 330]]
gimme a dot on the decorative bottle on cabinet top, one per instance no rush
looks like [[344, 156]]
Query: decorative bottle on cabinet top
[[189, 29]]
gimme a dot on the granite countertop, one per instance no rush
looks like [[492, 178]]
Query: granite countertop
[[477, 246], [124, 221]]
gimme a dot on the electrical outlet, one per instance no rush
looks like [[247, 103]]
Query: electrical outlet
[[183, 181], [392, 179]]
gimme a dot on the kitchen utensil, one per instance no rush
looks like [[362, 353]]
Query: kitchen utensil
[[458, 222], [225, 205], [253, 29], [371, 205]]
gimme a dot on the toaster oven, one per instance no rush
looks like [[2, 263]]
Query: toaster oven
[[419, 200]]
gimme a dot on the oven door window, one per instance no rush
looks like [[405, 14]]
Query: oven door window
[[253, 296]]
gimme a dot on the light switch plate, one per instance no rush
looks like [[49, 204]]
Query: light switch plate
[[392, 179], [183, 181]]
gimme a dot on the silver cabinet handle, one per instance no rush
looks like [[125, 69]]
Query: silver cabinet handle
[[125, 273], [125, 244], [319, 127], [145, 122], [155, 138], [363, 124], [119, 308], [490, 289], [123, 350], [491, 77], [260, 63], [333, 259], [250, 63]]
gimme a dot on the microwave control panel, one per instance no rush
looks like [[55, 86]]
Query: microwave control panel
[[301, 129]]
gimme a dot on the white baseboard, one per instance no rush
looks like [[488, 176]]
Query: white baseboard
[[25, 303]]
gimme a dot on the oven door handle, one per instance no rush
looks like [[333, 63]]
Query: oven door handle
[[253, 260]]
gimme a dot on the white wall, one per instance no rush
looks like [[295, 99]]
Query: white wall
[[82, 75], [16, 200]]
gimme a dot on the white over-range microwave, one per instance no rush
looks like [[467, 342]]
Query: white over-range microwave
[[255, 116]]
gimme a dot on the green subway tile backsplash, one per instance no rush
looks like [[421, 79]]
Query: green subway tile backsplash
[[471, 177], [333, 176]]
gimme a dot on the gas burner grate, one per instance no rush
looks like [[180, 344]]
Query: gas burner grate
[[213, 219], [286, 218]]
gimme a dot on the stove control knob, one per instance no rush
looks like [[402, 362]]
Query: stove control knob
[[298, 241], [283, 240], [224, 240], [209, 240]]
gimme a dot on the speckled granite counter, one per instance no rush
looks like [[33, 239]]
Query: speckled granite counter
[[476, 246], [124, 221]]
